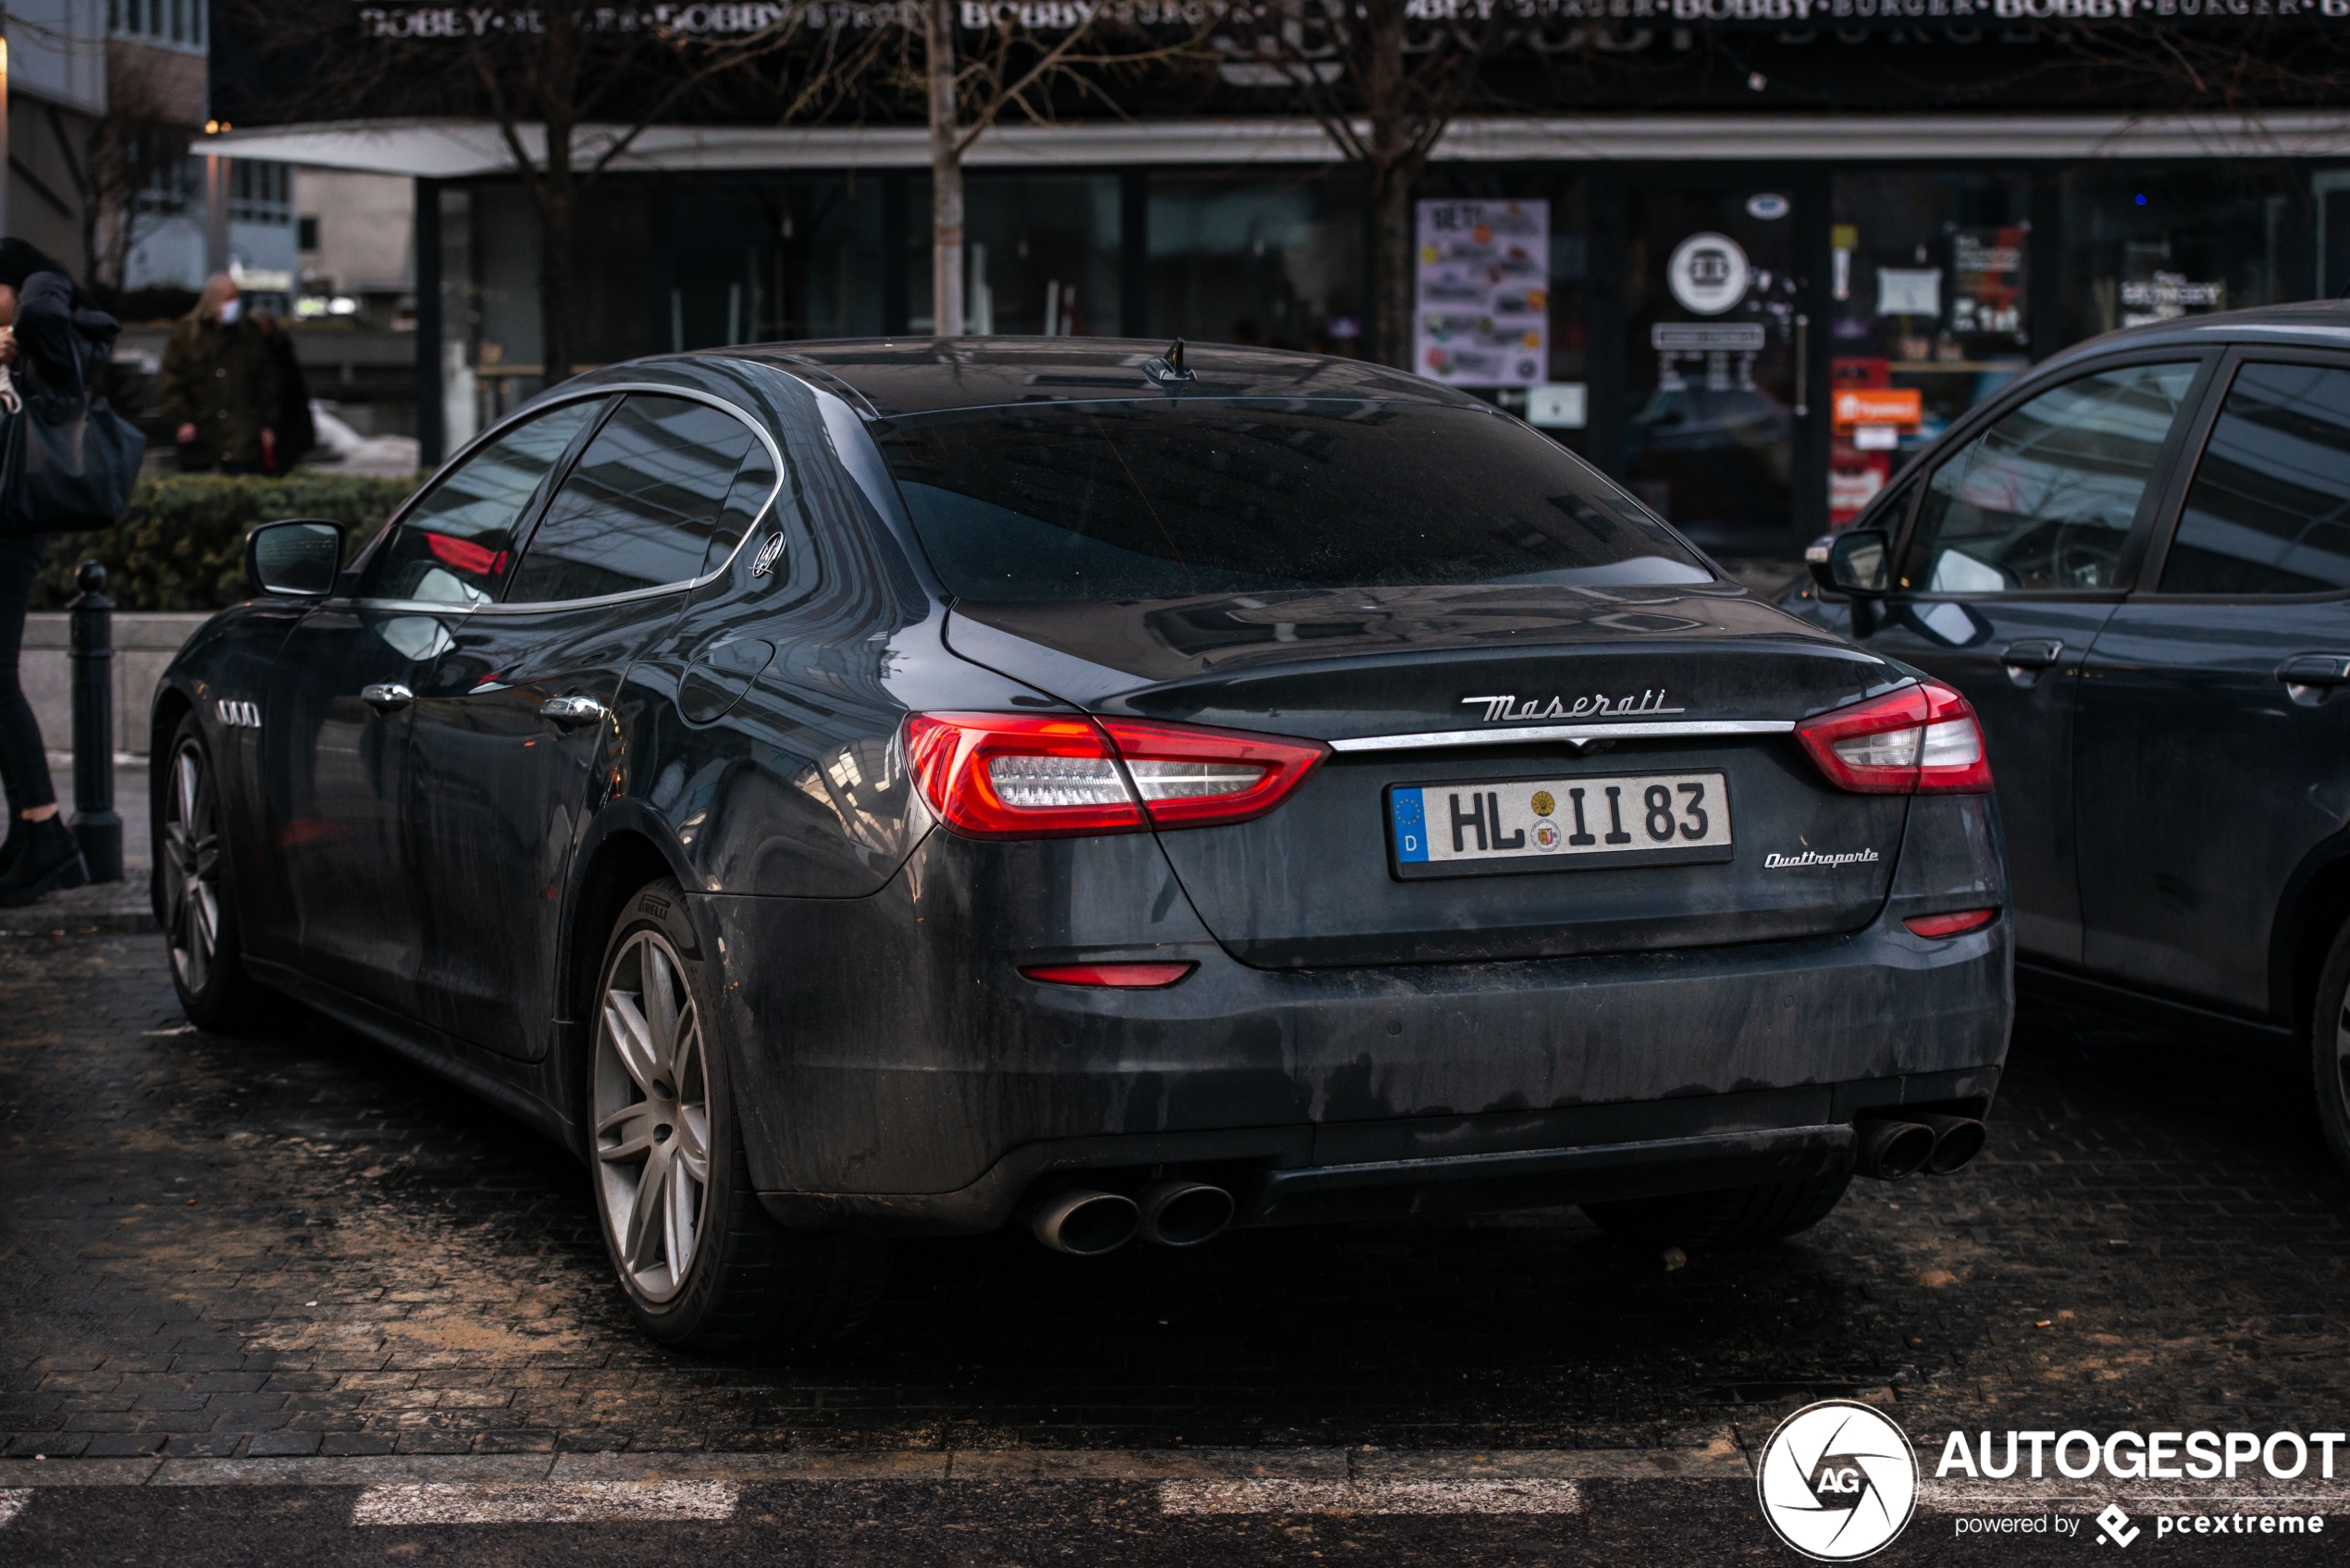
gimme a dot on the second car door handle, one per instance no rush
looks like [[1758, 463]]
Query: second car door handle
[[2316, 670], [572, 710], [386, 697], [2034, 653]]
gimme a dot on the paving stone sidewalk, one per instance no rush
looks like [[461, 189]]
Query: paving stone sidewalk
[[303, 1246]]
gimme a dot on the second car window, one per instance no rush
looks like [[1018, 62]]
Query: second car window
[[2270, 513], [638, 508], [2045, 499]]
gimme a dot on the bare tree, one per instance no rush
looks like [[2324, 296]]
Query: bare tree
[[570, 87], [1384, 79]]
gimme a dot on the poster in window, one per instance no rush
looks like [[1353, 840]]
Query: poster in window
[[1482, 315], [1987, 281]]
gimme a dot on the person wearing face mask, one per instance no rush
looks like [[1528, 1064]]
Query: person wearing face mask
[[47, 323], [219, 385]]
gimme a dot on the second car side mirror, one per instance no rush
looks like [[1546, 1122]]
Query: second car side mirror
[[294, 560], [1853, 563]]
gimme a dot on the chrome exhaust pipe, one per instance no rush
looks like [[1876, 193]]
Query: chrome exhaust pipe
[[1893, 1150], [1085, 1223], [1184, 1214], [1957, 1139]]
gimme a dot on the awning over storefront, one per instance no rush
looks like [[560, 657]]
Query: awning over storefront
[[461, 149]]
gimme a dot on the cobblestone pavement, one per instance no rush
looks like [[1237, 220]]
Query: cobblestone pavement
[[304, 1246]]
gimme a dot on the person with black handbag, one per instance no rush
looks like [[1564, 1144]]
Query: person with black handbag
[[54, 343]]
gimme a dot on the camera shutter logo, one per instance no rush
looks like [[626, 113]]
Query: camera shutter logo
[[1837, 1481]]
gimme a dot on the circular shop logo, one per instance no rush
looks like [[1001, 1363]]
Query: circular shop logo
[[1708, 273], [1839, 1480]]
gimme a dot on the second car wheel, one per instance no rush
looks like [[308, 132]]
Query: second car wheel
[[2329, 1047], [199, 917], [702, 1263]]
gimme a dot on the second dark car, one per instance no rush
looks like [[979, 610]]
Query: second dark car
[[2136, 563], [898, 788]]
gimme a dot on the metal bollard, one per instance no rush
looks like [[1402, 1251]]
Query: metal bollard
[[90, 639]]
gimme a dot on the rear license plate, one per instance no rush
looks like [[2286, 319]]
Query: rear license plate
[[1452, 829]]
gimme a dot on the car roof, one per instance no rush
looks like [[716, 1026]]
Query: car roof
[[891, 376], [2309, 324]]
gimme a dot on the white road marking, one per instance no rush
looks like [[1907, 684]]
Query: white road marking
[[545, 1502], [1371, 1497], [12, 1504]]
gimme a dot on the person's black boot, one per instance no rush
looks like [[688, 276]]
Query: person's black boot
[[51, 859], [19, 834]]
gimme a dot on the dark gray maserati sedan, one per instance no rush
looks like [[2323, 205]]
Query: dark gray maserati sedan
[[897, 788]]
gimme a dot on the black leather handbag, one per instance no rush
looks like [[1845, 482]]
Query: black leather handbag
[[67, 459]]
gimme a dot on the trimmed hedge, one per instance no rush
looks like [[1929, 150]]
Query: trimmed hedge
[[181, 545]]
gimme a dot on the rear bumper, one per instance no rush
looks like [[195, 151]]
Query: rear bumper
[[896, 1072]]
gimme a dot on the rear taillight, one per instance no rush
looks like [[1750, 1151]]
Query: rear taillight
[[1921, 739], [1020, 775], [1955, 923], [1122, 977]]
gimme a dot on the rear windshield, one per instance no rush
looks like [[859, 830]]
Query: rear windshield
[[1161, 499]]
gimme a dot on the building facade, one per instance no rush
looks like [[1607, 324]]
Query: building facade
[[1749, 309]]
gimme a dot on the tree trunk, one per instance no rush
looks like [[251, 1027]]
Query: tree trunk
[[555, 192], [1392, 172], [946, 174]]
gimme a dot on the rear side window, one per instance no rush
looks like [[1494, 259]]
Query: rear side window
[[1161, 499], [2270, 510], [638, 508], [455, 544], [2045, 499]]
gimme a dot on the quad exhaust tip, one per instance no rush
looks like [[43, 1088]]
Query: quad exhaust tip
[[1086, 1224], [1184, 1214], [1892, 1151]]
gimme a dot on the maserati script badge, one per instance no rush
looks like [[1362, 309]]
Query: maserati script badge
[[1506, 708]]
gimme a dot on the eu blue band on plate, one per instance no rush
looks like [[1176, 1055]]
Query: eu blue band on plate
[[1411, 826]]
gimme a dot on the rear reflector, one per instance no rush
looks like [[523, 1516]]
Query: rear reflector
[[1130, 977], [1951, 924], [1024, 775], [1919, 740]]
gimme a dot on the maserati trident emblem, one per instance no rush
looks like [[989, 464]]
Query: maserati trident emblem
[[1505, 708], [764, 561]]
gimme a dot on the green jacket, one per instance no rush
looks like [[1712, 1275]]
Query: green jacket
[[221, 380]]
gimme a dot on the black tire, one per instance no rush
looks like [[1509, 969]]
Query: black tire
[[746, 1280], [2329, 1048], [1728, 1218], [194, 903]]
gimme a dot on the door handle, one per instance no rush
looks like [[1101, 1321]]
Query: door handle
[[2309, 678], [2032, 653], [572, 710], [386, 697]]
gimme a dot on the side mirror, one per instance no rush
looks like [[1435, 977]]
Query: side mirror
[[294, 560], [1853, 563]]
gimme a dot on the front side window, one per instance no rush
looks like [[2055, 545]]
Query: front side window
[[1165, 498], [455, 544], [2270, 511], [639, 507], [2044, 500]]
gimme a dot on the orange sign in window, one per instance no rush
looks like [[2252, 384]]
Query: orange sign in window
[[1903, 406]]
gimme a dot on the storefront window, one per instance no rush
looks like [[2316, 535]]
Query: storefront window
[[2147, 242], [1043, 255], [1561, 406], [1930, 312], [773, 261], [1270, 262]]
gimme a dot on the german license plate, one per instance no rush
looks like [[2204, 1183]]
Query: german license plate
[[1452, 829]]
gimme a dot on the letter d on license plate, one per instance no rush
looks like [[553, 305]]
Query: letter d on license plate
[[1505, 825]]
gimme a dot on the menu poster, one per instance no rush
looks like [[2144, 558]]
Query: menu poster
[[1987, 281], [1483, 308]]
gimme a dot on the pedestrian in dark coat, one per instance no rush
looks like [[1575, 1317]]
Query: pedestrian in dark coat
[[292, 433], [49, 323], [218, 384]]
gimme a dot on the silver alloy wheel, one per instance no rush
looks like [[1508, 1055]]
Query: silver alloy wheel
[[652, 1116], [192, 867]]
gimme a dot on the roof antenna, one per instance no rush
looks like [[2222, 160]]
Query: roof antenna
[[1171, 367]]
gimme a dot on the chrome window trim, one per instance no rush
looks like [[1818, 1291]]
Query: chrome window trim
[[1517, 734], [691, 394]]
